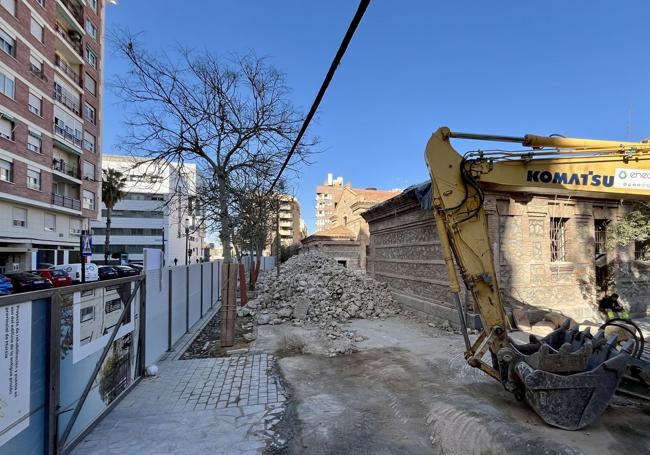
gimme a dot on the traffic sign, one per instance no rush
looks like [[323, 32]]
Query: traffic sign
[[86, 245]]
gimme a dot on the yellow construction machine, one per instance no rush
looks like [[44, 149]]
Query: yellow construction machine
[[568, 377]]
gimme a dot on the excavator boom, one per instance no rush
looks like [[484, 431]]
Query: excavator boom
[[568, 377]]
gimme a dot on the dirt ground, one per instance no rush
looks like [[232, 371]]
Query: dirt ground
[[409, 391], [207, 343]]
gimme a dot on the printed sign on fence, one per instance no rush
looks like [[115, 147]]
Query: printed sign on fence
[[94, 314], [15, 368]]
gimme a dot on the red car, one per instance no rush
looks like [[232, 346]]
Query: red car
[[57, 277]]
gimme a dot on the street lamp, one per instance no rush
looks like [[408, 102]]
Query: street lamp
[[187, 241]]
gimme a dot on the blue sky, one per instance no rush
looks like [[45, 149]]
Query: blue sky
[[577, 68]]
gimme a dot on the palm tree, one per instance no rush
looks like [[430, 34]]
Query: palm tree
[[113, 183]]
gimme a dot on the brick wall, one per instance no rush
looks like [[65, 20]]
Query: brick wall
[[405, 252], [341, 250]]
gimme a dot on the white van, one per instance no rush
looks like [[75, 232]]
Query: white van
[[74, 270]]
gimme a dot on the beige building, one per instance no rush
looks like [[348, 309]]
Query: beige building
[[326, 195], [303, 229], [345, 235], [290, 230], [351, 203]]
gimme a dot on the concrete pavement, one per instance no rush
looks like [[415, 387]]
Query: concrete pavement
[[216, 406]]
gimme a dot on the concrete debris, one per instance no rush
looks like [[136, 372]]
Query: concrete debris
[[243, 311], [317, 289], [314, 289]]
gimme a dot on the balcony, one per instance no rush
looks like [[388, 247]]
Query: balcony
[[66, 168], [66, 98], [67, 70], [68, 134], [71, 39], [72, 13], [36, 71], [67, 202]]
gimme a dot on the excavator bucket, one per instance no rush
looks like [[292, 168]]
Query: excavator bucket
[[569, 377], [574, 401]]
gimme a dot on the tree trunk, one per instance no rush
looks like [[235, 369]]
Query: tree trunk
[[107, 240], [224, 219], [258, 263]]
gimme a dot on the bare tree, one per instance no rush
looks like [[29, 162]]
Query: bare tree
[[230, 116], [256, 210]]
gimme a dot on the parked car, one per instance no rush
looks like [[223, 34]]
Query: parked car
[[107, 272], [57, 277], [6, 287], [138, 267], [26, 281], [74, 270], [125, 270]]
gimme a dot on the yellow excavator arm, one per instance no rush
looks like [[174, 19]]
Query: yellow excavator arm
[[551, 165]]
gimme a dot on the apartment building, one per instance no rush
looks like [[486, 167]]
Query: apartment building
[[289, 225], [326, 196], [158, 211], [50, 128], [289, 221]]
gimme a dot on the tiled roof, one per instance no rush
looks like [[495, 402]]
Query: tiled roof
[[337, 232]]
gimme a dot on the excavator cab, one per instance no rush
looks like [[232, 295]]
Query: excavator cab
[[568, 377]]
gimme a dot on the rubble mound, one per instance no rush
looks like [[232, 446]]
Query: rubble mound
[[316, 288]]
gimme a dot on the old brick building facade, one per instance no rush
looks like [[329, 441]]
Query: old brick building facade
[[339, 243], [549, 253], [50, 104], [352, 203]]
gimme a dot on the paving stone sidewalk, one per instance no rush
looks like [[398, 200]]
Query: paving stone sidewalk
[[219, 406]]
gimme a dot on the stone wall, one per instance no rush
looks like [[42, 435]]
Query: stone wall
[[405, 252], [341, 250]]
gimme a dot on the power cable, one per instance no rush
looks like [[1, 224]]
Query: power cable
[[363, 5]]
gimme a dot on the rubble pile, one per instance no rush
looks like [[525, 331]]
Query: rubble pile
[[317, 289]]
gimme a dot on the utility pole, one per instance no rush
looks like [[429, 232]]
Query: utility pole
[[187, 241], [82, 238], [163, 243], [277, 238]]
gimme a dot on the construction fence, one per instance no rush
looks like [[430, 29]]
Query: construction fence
[[71, 353]]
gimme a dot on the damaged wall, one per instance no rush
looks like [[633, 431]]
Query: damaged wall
[[345, 251]]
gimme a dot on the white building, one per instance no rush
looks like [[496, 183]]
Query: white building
[[158, 211]]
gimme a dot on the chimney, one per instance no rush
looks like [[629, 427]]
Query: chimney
[[330, 178]]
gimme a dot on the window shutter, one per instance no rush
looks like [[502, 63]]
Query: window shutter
[[35, 103], [5, 128], [10, 6]]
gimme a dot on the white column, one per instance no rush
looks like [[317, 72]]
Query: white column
[[34, 262], [66, 255], [56, 256]]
